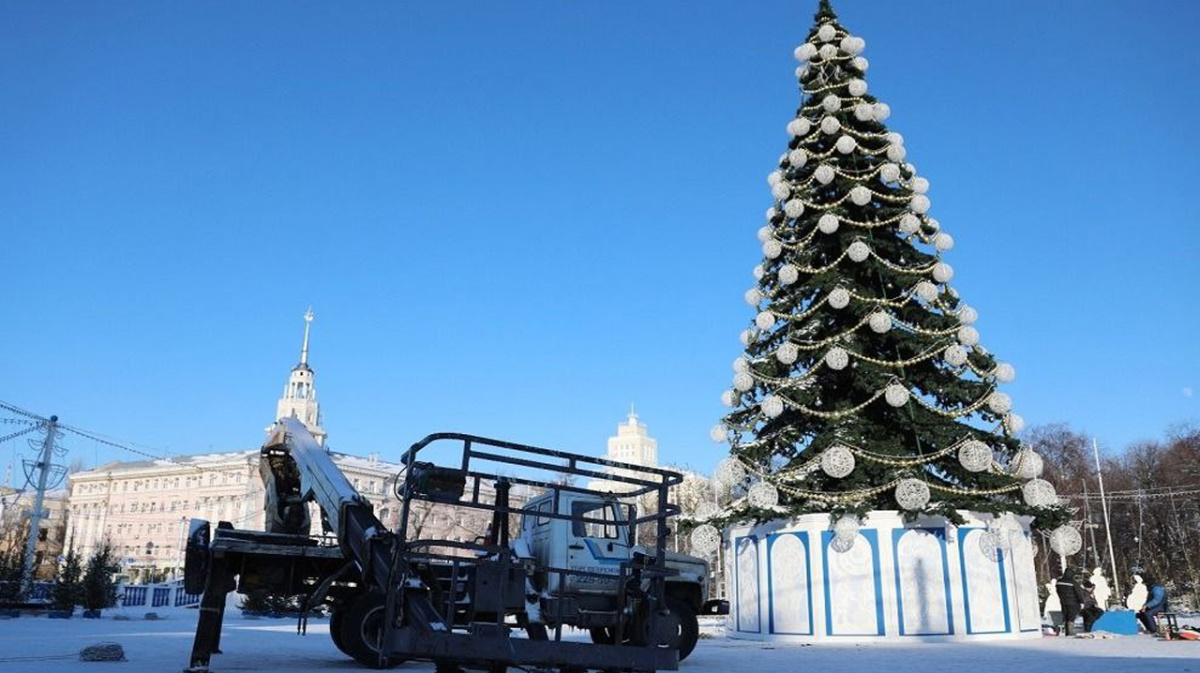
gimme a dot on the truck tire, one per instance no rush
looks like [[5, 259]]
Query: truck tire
[[689, 628], [361, 628], [335, 631]]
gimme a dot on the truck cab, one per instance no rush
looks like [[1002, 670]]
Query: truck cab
[[591, 547], [594, 542]]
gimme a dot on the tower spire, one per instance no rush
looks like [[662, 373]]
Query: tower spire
[[308, 318]]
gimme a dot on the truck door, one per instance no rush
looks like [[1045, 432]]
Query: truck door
[[596, 546]]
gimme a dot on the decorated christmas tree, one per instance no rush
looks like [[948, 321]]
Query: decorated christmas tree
[[864, 384]]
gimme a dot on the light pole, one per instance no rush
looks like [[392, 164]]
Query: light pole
[[1107, 528]]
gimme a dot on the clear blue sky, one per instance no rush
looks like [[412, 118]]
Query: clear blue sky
[[517, 218]]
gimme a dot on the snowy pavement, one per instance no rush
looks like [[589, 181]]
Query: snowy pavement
[[41, 645]]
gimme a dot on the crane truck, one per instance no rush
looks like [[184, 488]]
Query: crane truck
[[565, 557]]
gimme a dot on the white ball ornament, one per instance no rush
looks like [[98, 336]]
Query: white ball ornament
[[847, 45], [831, 103], [943, 241], [794, 208], [774, 177], [729, 398], [846, 526], [1014, 422], [839, 298], [797, 157], [933, 224], [856, 87], [837, 461], [746, 337], [894, 138], [1004, 372], [730, 472], [858, 251], [753, 296], [896, 395], [880, 322], [943, 272], [1039, 493], [801, 71], [743, 381], [955, 355], [1066, 541], [889, 173], [787, 353], [837, 358], [719, 434], [758, 271], [1028, 464], [788, 274], [860, 195], [705, 511], [909, 223], [919, 204], [771, 406], [799, 127], [927, 291], [967, 315], [771, 213], [862, 64], [975, 456], [920, 185], [845, 144], [830, 125], [765, 320], [706, 539], [912, 494], [765, 234], [772, 249], [805, 52], [826, 33], [864, 112], [740, 364], [827, 51], [882, 111], [824, 174], [999, 402], [896, 153], [763, 495], [781, 190], [968, 336]]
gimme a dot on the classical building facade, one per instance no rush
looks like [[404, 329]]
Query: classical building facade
[[143, 508]]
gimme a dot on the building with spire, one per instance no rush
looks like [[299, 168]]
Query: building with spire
[[143, 508], [632, 444], [299, 398]]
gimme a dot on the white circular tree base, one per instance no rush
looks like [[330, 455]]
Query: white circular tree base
[[928, 580]]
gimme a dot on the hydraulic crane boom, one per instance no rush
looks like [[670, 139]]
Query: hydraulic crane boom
[[297, 470]]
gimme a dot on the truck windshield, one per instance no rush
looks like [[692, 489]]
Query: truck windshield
[[595, 510]]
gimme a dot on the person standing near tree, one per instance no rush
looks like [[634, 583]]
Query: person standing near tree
[[1072, 597], [1156, 604], [1091, 611]]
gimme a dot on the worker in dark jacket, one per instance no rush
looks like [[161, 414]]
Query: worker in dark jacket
[[1071, 596], [1156, 604], [1091, 612]]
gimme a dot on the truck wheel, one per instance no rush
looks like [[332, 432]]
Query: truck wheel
[[361, 630], [689, 628], [335, 631]]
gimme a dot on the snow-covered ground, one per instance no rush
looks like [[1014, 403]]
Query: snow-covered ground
[[41, 645]]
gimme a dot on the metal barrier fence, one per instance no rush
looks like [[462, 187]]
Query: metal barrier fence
[[159, 595]]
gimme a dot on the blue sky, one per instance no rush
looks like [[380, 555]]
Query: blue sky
[[517, 218]]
